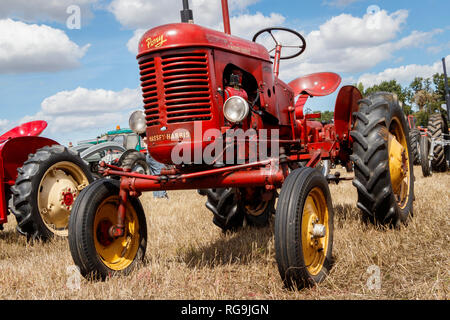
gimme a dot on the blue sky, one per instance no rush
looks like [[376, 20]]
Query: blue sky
[[85, 81]]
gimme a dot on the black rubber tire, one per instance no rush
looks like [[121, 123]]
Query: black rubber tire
[[224, 204], [376, 198], [133, 159], [81, 226], [437, 126], [425, 161], [262, 218], [288, 234], [25, 190], [414, 138]]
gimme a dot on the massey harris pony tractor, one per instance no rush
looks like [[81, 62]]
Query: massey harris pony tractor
[[216, 111], [39, 181]]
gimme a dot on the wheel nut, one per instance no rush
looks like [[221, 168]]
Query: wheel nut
[[319, 231]]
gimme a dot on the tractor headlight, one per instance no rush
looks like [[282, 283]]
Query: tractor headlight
[[235, 109], [137, 122]]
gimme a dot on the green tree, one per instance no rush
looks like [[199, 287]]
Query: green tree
[[403, 94]]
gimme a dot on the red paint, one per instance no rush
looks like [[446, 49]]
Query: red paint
[[33, 128], [68, 198], [226, 17], [316, 84], [15, 146]]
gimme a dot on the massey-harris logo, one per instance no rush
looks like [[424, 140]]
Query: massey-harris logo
[[155, 42]]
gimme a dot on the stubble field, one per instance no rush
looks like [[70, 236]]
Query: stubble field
[[188, 257]]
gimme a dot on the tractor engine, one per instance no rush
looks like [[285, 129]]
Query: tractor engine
[[188, 75]]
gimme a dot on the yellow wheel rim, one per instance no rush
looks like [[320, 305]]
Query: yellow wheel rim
[[58, 189], [117, 254], [315, 212], [399, 162]]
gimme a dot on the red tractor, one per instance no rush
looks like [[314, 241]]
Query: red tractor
[[39, 181], [217, 113]]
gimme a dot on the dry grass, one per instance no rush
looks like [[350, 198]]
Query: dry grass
[[189, 258]]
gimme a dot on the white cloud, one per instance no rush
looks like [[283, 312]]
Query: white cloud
[[4, 126], [79, 110], [340, 3], [142, 15], [404, 74], [36, 48], [354, 44], [43, 10], [133, 43]]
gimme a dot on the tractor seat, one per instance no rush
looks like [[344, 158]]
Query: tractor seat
[[316, 84]]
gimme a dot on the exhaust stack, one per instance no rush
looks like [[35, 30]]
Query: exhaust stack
[[186, 13], [226, 17]]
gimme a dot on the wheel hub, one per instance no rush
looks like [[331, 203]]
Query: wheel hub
[[398, 164]]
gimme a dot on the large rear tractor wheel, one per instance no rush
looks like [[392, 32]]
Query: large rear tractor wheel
[[304, 229], [383, 161], [231, 207], [94, 251], [414, 138], [437, 126], [46, 187], [425, 160], [224, 204]]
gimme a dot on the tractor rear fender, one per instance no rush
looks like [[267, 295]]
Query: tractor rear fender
[[13, 153], [346, 104], [91, 151]]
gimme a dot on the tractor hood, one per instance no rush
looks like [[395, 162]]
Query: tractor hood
[[179, 35], [29, 129]]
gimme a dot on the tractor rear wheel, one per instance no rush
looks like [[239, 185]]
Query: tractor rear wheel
[[231, 207], [224, 204], [414, 138], [425, 161], [383, 161], [94, 251], [437, 126], [46, 187], [304, 229]]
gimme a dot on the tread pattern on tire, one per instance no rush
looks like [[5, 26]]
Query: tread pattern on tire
[[414, 138], [436, 126], [24, 206], [224, 205], [370, 157]]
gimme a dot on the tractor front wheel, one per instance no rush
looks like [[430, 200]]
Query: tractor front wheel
[[383, 162], [46, 187], [94, 251], [304, 229]]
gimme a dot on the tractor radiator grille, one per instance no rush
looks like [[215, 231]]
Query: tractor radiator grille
[[176, 88]]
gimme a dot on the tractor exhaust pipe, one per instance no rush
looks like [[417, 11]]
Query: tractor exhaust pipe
[[447, 94], [186, 13], [226, 17]]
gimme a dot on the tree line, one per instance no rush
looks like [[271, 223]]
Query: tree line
[[422, 97]]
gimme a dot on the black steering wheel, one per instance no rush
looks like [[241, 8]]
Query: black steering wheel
[[301, 47]]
